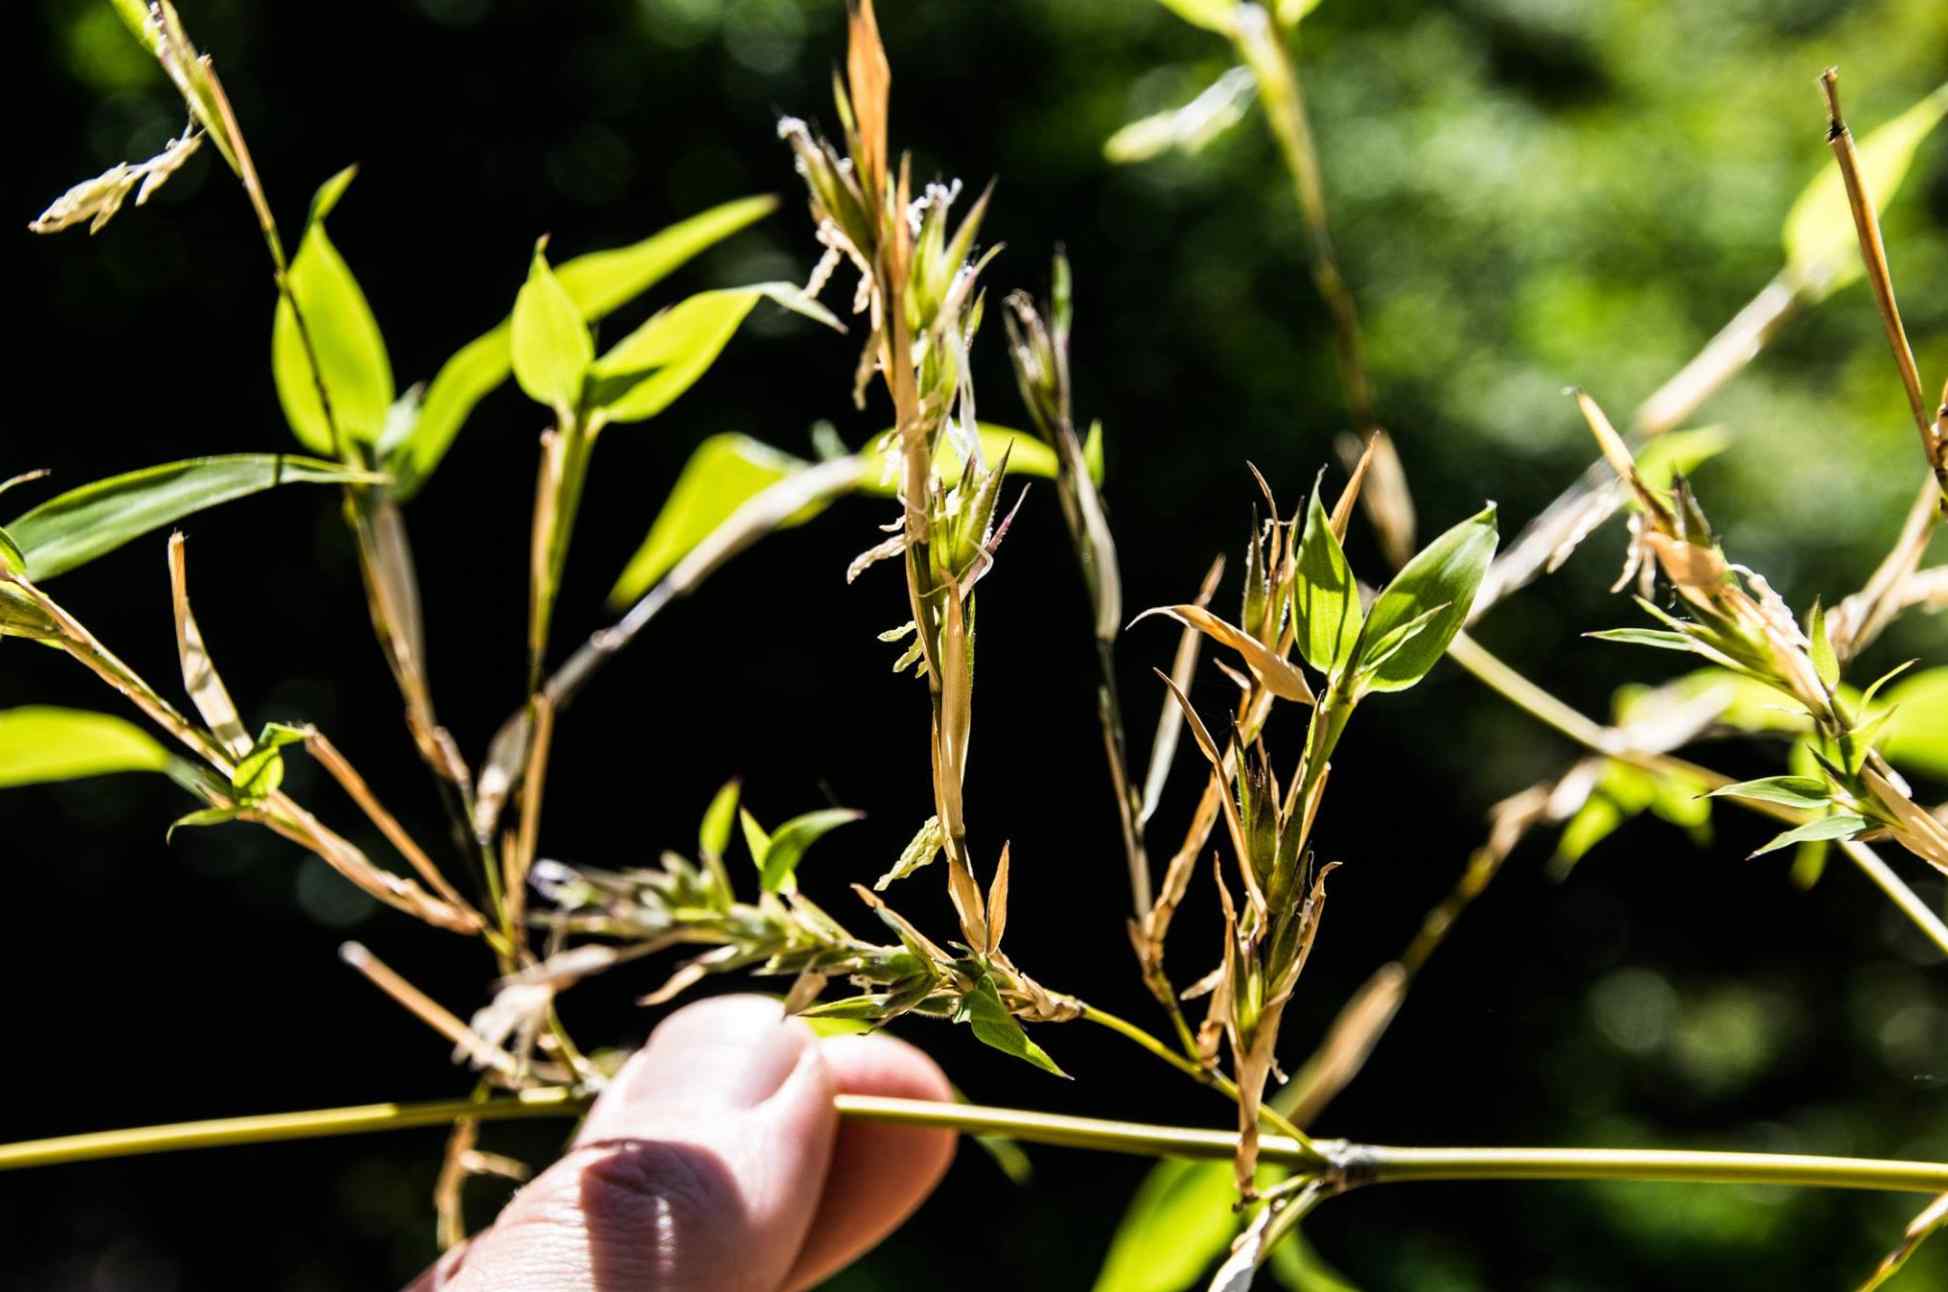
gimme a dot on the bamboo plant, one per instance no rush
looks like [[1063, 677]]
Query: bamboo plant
[[1307, 633]]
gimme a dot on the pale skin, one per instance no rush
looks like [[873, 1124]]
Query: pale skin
[[715, 1161]]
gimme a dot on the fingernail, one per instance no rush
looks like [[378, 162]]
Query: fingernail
[[731, 1053]]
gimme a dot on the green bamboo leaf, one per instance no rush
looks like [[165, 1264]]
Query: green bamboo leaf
[[982, 1010], [1290, 12], [1822, 248], [1656, 637], [1211, 15], [725, 472], [778, 862], [713, 836], [202, 817], [1806, 793], [646, 371], [261, 771], [1841, 825], [1446, 574], [82, 524], [1867, 735], [756, 838], [352, 364], [12, 559], [1325, 599], [1679, 453], [1825, 662], [1178, 1223], [39, 743], [1026, 455], [1190, 128], [552, 348], [598, 283], [1917, 737]]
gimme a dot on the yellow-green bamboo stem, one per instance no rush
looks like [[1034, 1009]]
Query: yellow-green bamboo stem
[[1348, 1164]]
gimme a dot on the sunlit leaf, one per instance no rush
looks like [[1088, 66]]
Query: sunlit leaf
[[778, 863], [40, 743], [992, 1024], [1212, 15], [261, 771], [1679, 453], [1026, 456], [12, 559], [202, 818], [598, 283], [82, 524], [1822, 248], [713, 836], [1177, 1224], [1189, 128], [1917, 735], [1325, 600], [724, 473], [1447, 573], [1806, 793], [1290, 12], [552, 348], [646, 371], [1841, 825], [339, 330]]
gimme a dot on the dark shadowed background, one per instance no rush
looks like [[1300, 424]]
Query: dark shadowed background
[[1526, 193]]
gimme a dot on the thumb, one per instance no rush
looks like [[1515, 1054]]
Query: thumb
[[700, 1167]]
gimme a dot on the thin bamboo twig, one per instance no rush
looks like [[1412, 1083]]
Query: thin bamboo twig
[[1196, 1071], [426, 1009], [1263, 49], [1353, 1164], [1874, 253], [319, 746], [1539, 704]]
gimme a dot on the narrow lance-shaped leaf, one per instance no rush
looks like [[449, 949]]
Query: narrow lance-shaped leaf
[[983, 1011], [1841, 825], [552, 348], [1325, 599], [724, 473], [1025, 456], [646, 371], [82, 524], [39, 743], [598, 283], [713, 835], [1177, 1224], [352, 364], [1189, 128], [1822, 249], [1212, 15], [779, 862], [1917, 736], [1446, 573], [1807, 793]]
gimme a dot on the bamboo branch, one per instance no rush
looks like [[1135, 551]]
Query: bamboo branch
[[1351, 1164], [1874, 253]]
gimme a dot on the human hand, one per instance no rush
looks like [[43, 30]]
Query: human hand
[[715, 1163]]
